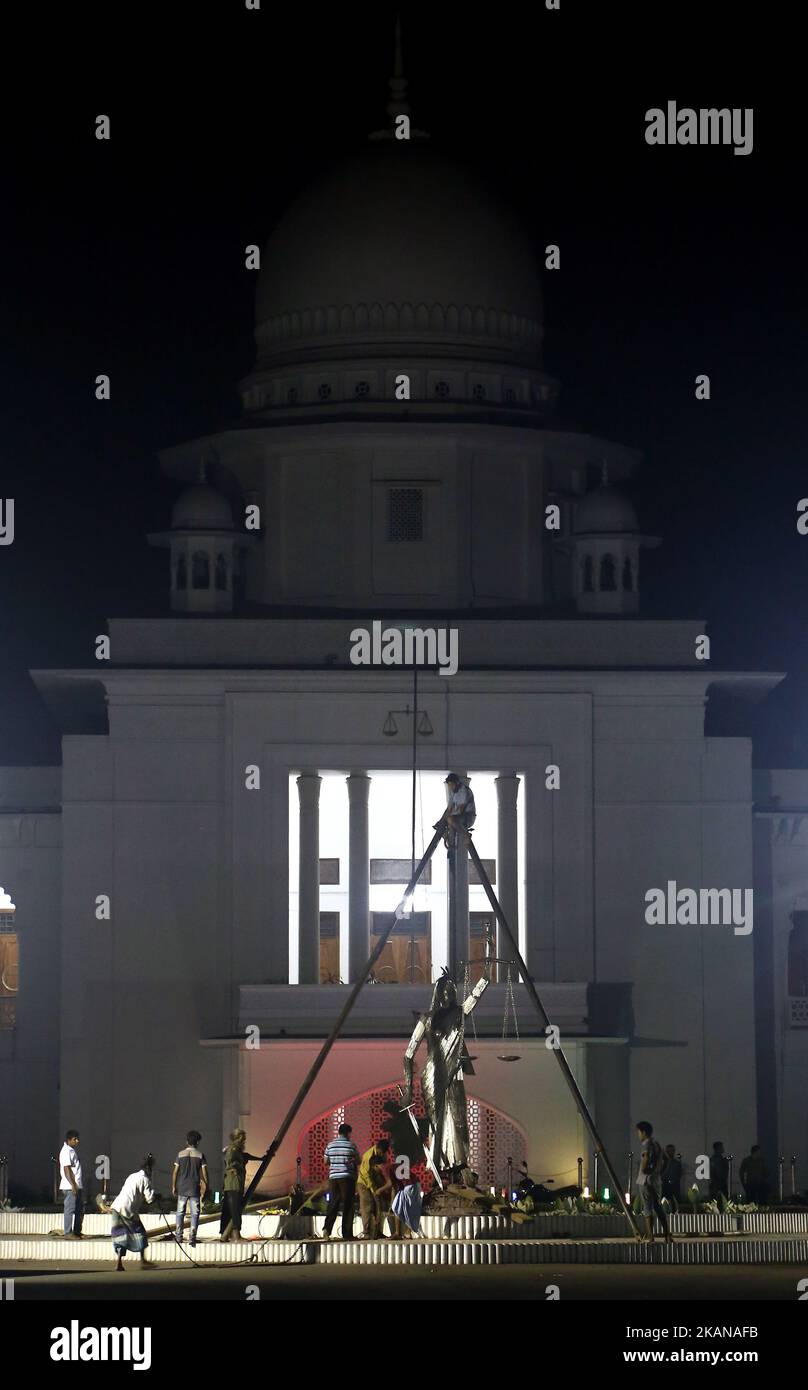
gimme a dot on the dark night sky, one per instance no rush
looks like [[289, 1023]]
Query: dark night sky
[[127, 257]]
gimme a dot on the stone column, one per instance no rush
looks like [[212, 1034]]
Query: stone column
[[308, 790], [358, 874], [507, 886]]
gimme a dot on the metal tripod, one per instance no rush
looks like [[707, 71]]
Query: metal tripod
[[581, 1106]]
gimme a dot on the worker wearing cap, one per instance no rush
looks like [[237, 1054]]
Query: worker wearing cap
[[460, 812]]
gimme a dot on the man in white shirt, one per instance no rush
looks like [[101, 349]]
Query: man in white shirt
[[70, 1184], [460, 812], [128, 1231]]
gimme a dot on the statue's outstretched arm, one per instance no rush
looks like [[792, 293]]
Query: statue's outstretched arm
[[476, 994], [485, 979]]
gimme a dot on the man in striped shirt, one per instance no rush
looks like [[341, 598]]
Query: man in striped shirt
[[343, 1158]]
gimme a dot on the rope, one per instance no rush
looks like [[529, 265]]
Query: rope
[[509, 1002]]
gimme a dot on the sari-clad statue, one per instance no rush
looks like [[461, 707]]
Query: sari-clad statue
[[442, 1077]]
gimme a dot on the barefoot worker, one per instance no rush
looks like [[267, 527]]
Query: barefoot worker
[[236, 1159], [652, 1163], [128, 1231]]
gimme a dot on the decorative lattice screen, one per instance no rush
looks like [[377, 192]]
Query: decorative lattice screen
[[494, 1138], [406, 517]]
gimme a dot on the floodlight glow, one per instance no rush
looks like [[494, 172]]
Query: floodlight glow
[[586, 1191], [605, 1194]]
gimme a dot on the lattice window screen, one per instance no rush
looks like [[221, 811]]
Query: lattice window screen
[[493, 1138], [406, 517]]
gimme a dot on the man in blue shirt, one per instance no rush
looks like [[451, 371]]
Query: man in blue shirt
[[189, 1182], [343, 1158]]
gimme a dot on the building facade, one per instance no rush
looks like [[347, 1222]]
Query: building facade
[[199, 883]]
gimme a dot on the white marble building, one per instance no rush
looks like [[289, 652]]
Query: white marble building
[[229, 905]]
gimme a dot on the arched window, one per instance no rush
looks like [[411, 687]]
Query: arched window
[[628, 576], [608, 574], [221, 572], [182, 573], [200, 570], [589, 575]]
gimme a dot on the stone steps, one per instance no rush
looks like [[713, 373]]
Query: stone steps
[[553, 1225], [731, 1249]]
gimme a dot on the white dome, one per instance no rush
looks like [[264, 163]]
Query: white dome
[[399, 242], [201, 508], [605, 512]]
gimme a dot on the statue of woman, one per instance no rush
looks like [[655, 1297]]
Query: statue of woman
[[442, 1077]]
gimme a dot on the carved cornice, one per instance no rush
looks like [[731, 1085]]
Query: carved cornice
[[357, 320]]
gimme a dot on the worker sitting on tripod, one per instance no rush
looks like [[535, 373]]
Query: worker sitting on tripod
[[460, 813]]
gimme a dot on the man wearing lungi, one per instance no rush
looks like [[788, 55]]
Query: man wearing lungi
[[128, 1231]]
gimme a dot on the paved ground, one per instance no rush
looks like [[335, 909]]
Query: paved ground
[[323, 1282]]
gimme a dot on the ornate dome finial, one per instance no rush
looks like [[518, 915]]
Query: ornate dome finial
[[398, 104]]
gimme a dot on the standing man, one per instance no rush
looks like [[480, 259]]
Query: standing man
[[190, 1183], [375, 1188], [70, 1184], [672, 1176], [754, 1176], [648, 1182], [719, 1171], [343, 1158], [235, 1171]]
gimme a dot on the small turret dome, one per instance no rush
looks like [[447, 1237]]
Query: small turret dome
[[606, 512], [201, 508]]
